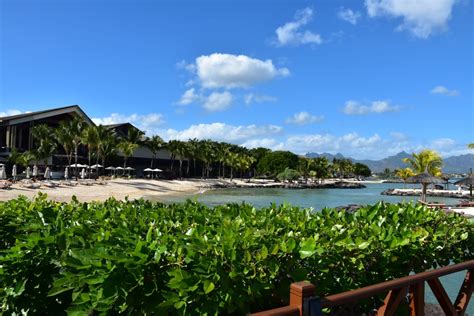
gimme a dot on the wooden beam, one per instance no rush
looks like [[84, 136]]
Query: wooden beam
[[391, 302], [282, 311], [442, 297], [417, 299], [465, 293]]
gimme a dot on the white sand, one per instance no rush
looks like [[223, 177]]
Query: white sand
[[121, 188]]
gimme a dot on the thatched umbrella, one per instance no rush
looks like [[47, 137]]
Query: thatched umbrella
[[425, 179], [467, 181]]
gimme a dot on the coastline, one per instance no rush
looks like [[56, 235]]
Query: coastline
[[139, 188]]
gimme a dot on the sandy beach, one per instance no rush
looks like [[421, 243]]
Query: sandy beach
[[122, 188]]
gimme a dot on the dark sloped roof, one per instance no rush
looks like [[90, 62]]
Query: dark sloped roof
[[72, 108]]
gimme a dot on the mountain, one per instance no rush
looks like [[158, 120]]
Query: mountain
[[391, 162], [453, 164], [328, 156]]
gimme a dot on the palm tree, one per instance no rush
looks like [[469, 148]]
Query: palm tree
[[90, 138], [405, 174], [75, 128], [127, 148], [26, 158], [154, 144], [64, 138], [181, 150], [427, 161], [107, 147], [193, 153], [44, 142], [172, 147]]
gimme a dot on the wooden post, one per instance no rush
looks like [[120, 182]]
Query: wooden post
[[298, 292], [417, 299], [465, 293]]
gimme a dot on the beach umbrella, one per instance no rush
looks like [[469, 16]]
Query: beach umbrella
[[35, 171], [28, 172], [119, 168], [157, 170], [467, 181], [83, 173], [96, 166], [14, 171], [66, 173], [425, 179], [112, 169], [3, 174], [147, 170], [47, 173]]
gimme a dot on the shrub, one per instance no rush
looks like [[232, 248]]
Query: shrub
[[139, 257]]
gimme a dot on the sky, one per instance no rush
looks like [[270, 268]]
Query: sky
[[367, 79]]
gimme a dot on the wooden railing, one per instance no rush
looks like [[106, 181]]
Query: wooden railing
[[303, 301]]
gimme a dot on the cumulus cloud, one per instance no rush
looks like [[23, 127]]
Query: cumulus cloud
[[235, 71], [291, 33], [303, 118], [348, 15], [421, 17], [352, 107], [218, 101], [444, 91], [223, 132], [188, 97], [258, 98], [263, 142], [10, 112], [149, 123]]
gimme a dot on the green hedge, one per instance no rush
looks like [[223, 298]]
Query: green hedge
[[139, 257]]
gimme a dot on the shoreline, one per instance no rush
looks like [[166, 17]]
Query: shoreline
[[455, 194], [138, 188]]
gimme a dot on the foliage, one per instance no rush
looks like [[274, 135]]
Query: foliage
[[275, 162], [425, 161], [288, 175], [361, 169], [144, 258]]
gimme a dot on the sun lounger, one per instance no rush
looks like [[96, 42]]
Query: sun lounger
[[69, 183], [31, 185], [432, 204], [50, 184], [5, 184], [466, 203]]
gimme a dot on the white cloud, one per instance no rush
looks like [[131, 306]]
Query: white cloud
[[290, 33], [303, 118], [188, 97], [11, 112], [258, 98], [235, 71], [420, 17], [223, 132], [183, 64], [263, 142], [444, 91], [218, 101], [148, 123], [352, 107], [348, 15]]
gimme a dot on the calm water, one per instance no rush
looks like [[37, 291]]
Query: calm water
[[315, 198], [318, 199]]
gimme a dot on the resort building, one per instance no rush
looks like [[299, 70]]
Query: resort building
[[16, 133]]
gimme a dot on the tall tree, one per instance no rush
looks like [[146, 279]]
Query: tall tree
[[44, 141], [127, 148], [65, 139], [90, 138], [154, 144], [404, 174], [426, 161], [75, 128]]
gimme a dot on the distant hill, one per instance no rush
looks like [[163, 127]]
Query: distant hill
[[454, 164]]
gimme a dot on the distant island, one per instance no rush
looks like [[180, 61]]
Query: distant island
[[453, 164]]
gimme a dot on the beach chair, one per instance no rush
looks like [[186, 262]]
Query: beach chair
[[466, 203], [432, 205]]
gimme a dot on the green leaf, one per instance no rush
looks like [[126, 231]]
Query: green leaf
[[208, 287], [307, 248]]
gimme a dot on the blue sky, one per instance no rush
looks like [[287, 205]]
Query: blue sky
[[364, 78]]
